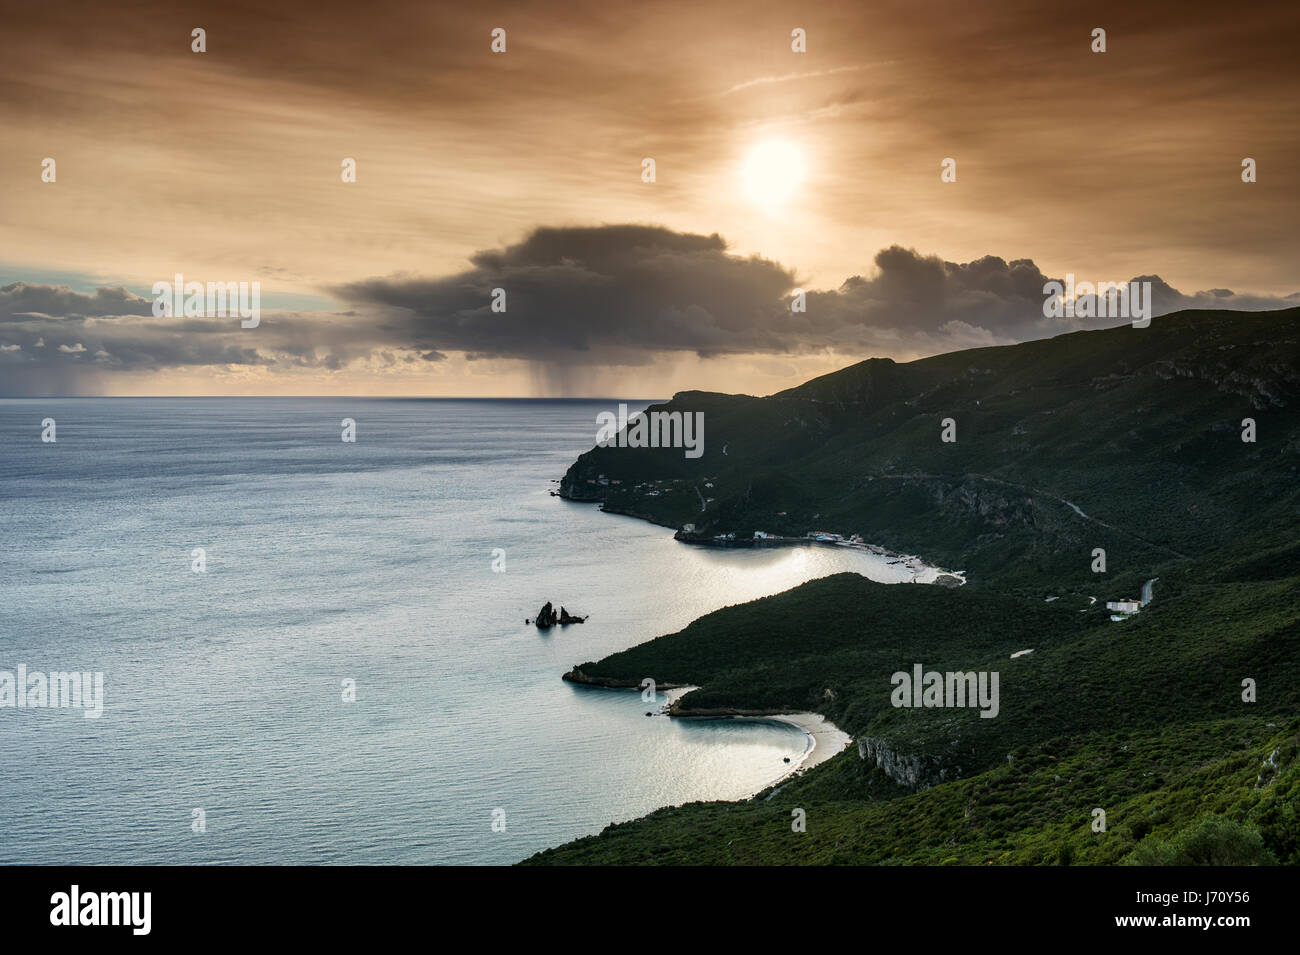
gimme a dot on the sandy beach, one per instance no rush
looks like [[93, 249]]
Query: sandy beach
[[824, 740]]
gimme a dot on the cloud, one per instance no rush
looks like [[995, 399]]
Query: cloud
[[625, 295], [18, 299], [56, 341], [576, 299], [592, 295]]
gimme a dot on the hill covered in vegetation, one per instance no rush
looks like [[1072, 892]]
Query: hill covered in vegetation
[[1180, 724], [1126, 439]]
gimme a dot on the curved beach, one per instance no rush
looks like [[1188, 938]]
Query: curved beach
[[822, 738]]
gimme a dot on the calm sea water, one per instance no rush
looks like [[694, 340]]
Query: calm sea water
[[329, 561]]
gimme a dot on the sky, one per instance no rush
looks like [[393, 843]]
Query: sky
[[775, 170]]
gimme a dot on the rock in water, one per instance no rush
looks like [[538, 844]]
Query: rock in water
[[566, 617], [546, 617]]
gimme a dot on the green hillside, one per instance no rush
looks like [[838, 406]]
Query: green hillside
[[1160, 793], [1138, 428]]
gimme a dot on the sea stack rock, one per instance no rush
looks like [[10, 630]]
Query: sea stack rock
[[567, 618], [546, 617]]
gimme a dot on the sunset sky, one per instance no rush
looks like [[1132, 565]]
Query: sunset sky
[[523, 170]]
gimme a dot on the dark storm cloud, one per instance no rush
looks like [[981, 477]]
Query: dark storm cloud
[[576, 297], [593, 295], [19, 298], [627, 294]]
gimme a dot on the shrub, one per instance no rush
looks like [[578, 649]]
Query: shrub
[[1214, 840]]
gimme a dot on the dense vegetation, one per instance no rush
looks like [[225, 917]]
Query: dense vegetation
[[1157, 792], [1140, 428], [1144, 719]]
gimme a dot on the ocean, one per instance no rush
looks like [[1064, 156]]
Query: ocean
[[327, 561]]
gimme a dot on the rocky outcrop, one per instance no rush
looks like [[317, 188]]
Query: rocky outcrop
[[576, 675], [676, 709], [547, 617], [976, 497], [1263, 382], [574, 488], [914, 771], [1268, 772]]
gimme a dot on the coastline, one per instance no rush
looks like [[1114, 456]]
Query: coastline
[[825, 740], [611, 683], [822, 738], [921, 571]]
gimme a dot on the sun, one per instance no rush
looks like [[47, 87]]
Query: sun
[[772, 171]]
